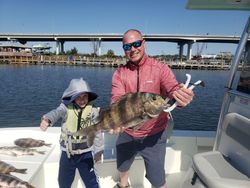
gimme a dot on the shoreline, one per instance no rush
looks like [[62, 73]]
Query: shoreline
[[194, 65]]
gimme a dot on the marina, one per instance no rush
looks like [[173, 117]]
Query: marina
[[209, 64]]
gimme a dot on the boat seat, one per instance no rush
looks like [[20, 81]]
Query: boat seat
[[229, 166]]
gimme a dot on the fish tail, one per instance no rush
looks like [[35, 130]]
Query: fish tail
[[91, 137], [22, 171], [85, 131], [30, 186], [81, 132], [48, 145], [14, 154]]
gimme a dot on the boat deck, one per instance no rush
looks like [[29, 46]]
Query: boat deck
[[42, 170]]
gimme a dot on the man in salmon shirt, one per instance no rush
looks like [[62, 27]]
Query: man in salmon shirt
[[144, 74]]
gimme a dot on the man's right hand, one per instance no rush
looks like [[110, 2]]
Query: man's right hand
[[117, 130]]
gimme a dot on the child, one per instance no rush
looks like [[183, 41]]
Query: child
[[76, 112]]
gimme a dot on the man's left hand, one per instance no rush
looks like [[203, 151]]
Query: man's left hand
[[183, 96]]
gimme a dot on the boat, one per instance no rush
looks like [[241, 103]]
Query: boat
[[194, 159]]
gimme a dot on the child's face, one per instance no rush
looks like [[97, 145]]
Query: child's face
[[82, 100]]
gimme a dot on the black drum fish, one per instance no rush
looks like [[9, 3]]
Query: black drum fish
[[18, 151], [9, 181], [130, 111], [6, 168], [30, 143]]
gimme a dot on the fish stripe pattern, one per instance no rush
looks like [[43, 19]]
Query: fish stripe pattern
[[9, 181], [130, 111], [30, 142], [6, 168]]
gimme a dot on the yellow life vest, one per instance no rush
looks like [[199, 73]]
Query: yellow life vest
[[72, 119]]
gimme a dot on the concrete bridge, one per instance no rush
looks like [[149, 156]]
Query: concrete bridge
[[60, 39]]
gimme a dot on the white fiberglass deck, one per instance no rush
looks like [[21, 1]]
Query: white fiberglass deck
[[42, 170]]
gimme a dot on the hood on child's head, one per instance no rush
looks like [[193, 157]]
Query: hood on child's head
[[76, 88]]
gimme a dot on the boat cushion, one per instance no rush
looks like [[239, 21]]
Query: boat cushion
[[216, 171], [229, 166]]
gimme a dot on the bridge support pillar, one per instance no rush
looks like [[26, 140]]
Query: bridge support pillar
[[99, 47], [189, 50], [181, 45], [59, 47]]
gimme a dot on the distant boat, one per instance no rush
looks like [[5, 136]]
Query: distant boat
[[41, 48]]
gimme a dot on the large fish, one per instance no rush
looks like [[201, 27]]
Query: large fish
[[18, 151], [30, 143], [130, 111], [6, 168], [9, 181]]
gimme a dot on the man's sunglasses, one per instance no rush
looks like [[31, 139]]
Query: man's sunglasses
[[135, 44]]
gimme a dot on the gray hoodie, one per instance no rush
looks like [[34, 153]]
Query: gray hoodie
[[76, 88]]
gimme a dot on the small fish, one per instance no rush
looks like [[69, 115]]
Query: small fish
[[9, 181], [30, 143], [6, 168], [130, 111], [18, 151]]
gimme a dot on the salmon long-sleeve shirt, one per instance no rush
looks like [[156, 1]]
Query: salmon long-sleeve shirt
[[148, 76]]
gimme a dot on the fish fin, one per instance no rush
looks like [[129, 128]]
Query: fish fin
[[48, 145], [137, 122], [90, 138], [22, 171], [137, 127], [84, 131], [40, 152], [81, 132]]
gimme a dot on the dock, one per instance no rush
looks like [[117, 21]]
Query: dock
[[61, 60], [200, 65], [107, 62]]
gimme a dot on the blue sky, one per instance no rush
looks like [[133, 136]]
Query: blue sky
[[117, 16]]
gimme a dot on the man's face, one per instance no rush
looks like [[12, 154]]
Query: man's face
[[134, 46]]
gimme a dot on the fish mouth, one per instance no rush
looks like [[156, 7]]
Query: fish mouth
[[156, 112], [152, 115], [166, 106]]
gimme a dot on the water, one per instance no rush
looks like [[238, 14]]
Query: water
[[29, 91]]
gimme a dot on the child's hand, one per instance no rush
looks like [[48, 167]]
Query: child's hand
[[98, 156], [44, 123]]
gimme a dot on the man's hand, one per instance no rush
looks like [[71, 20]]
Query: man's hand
[[117, 130], [183, 96]]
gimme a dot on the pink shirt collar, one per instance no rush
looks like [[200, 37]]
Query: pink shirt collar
[[143, 60]]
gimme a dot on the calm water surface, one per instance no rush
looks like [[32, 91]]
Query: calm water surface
[[29, 91]]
